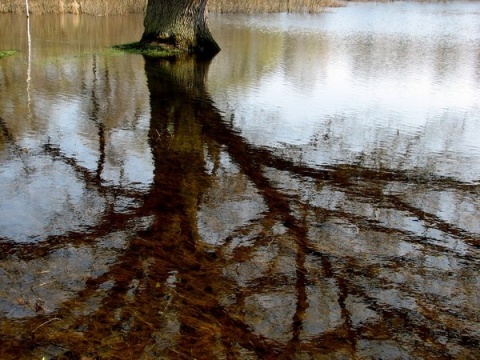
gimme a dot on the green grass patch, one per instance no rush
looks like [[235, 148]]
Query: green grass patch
[[148, 49], [6, 53]]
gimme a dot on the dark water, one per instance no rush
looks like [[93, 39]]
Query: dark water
[[311, 193]]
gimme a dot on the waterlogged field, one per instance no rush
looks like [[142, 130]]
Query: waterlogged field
[[312, 192]]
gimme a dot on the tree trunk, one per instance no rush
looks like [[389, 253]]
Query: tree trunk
[[180, 23]]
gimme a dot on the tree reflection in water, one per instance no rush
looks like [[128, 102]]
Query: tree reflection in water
[[236, 252]]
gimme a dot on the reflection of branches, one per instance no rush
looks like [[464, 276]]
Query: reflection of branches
[[5, 132], [252, 159], [8, 136], [114, 220], [167, 294]]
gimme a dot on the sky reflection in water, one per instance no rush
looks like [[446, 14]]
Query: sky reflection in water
[[317, 195], [395, 86]]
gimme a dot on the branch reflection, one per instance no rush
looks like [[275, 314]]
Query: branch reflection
[[232, 251]]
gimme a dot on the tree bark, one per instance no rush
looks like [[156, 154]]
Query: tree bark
[[180, 23]]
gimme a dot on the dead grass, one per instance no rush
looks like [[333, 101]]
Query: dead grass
[[263, 6], [94, 7], [113, 7]]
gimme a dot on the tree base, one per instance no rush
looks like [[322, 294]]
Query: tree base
[[150, 49]]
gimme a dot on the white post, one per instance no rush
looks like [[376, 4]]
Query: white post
[[29, 61]]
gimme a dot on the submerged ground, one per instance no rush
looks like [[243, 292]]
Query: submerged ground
[[312, 192]]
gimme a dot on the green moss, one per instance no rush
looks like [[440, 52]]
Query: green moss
[[6, 53], [150, 50]]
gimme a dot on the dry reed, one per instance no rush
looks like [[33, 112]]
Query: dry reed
[[113, 7], [264, 6], [94, 7]]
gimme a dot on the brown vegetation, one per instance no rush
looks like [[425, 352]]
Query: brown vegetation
[[94, 7], [113, 7], [262, 6]]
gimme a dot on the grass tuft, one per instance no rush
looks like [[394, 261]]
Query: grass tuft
[[148, 49], [6, 53]]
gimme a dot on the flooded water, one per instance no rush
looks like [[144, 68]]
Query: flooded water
[[310, 193]]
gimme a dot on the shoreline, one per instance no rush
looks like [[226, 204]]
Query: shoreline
[[122, 7]]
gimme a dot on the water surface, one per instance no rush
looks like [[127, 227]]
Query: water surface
[[311, 192], [393, 85]]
